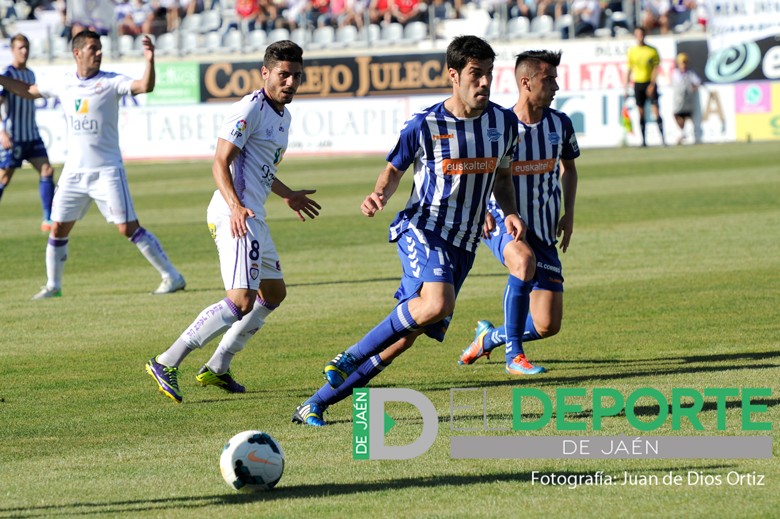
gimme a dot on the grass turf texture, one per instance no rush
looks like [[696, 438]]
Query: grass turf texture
[[672, 280]]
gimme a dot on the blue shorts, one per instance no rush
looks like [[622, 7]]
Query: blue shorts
[[548, 266], [427, 258], [21, 151]]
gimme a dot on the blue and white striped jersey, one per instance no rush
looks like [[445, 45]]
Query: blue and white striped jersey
[[20, 120], [454, 170], [536, 171]]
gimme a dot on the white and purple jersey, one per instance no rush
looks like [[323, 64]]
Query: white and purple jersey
[[261, 132], [91, 108], [455, 161], [536, 172], [20, 122]]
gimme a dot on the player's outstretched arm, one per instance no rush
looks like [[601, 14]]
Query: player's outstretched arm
[[569, 185], [504, 191], [146, 83], [20, 88], [298, 201], [384, 188], [223, 158]]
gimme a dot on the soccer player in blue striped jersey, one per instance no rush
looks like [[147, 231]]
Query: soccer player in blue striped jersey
[[545, 180], [460, 151], [19, 136]]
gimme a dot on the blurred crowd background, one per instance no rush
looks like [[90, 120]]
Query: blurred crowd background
[[207, 26]]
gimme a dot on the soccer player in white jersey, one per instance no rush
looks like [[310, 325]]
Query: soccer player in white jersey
[[251, 144], [545, 180], [460, 150], [20, 139], [93, 169]]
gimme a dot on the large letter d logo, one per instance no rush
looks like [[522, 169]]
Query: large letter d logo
[[369, 424]]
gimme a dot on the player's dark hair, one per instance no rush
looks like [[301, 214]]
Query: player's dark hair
[[19, 37], [284, 50], [81, 38], [534, 58], [465, 48]]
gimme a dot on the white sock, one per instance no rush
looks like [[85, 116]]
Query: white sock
[[211, 322], [150, 247], [56, 255], [237, 336]]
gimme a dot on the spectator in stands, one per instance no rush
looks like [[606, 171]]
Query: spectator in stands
[[268, 18], [316, 13], [247, 12], [441, 10], [379, 11], [586, 17], [131, 15], [680, 14], [526, 8], [554, 8], [493, 7], [655, 15], [405, 11], [157, 21]]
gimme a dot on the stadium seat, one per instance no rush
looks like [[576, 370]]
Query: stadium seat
[[125, 45], [256, 40], [347, 36], [300, 36], [190, 43], [233, 42], [543, 26], [166, 44], [392, 33], [278, 34], [518, 27], [493, 31], [60, 47], [415, 32], [210, 21], [190, 23], [212, 42], [38, 48], [371, 33], [105, 44], [323, 37]]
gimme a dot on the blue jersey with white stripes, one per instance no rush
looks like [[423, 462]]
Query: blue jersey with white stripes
[[454, 161], [536, 172], [20, 120]]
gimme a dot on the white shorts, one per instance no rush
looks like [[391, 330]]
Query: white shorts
[[246, 261], [107, 187]]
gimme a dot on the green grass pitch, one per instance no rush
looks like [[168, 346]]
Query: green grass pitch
[[672, 280]]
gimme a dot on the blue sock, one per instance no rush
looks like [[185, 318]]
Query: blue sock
[[495, 338], [395, 326], [498, 336], [327, 396], [530, 333], [46, 190], [516, 301], [2, 188]]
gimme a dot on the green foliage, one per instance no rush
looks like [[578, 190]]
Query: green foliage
[[672, 280]]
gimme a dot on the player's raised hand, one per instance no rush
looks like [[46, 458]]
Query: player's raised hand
[[300, 202], [148, 46], [373, 203], [515, 226]]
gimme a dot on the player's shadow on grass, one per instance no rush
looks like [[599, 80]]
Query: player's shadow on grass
[[320, 490], [665, 366], [394, 279]]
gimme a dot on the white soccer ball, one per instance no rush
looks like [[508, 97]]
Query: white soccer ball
[[252, 461]]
